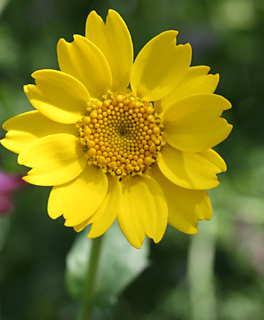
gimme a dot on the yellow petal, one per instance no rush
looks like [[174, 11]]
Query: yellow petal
[[143, 210], [84, 61], [28, 127], [199, 137], [191, 170], [196, 81], [159, 66], [58, 96], [79, 227], [193, 123], [107, 212], [79, 199], [186, 207], [195, 108], [114, 40], [54, 159]]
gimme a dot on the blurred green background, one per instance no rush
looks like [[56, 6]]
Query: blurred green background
[[217, 274]]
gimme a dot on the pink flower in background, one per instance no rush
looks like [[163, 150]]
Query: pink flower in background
[[8, 184]]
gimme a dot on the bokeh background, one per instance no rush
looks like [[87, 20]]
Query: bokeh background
[[217, 274]]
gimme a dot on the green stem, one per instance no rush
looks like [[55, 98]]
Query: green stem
[[89, 285]]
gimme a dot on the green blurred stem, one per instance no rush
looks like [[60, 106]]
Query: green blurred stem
[[89, 285]]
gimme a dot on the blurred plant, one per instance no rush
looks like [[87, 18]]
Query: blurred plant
[[8, 184]]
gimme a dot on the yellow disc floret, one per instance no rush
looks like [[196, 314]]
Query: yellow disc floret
[[121, 134]]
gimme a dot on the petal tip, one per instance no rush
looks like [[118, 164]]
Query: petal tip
[[4, 143], [188, 49], [92, 235], [25, 87], [223, 168], [76, 229], [112, 11], [93, 12], [26, 178], [172, 33], [20, 161], [193, 230], [53, 216], [4, 126], [77, 36], [136, 245], [229, 129], [215, 184], [62, 43], [229, 105]]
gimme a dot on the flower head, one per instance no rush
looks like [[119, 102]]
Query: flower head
[[123, 140], [8, 184]]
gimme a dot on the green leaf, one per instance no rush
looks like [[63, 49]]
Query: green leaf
[[119, 265]]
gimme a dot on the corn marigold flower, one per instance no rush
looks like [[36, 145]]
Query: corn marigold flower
[[123, 140]]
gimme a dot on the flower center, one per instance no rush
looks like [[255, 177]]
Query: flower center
[[121, 134]]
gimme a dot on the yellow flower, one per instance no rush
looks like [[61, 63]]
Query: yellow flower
[[123, 140]]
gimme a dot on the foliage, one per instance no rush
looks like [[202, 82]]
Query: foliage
[[217, 274]]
